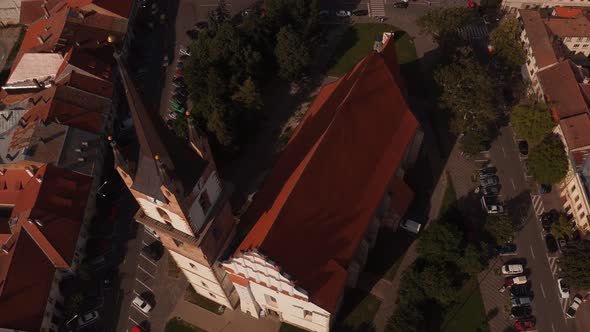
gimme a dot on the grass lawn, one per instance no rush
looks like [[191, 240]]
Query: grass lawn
[[358, 310], [290, 328], [358, 41], [468, 315], [203, 302], [178, 325], [449, 198]]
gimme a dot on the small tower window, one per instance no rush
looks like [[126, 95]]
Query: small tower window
[[205, 202], [163, 214]]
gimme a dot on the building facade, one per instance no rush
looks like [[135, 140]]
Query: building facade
[[181, 197]]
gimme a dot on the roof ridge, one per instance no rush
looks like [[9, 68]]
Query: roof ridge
[[44, 244]]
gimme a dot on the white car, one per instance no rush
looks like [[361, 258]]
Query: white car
[[88, 318], [142, 304], [410, 226], [511, 269], [564, 290], [571, 311], [343, 13], [172, 115]]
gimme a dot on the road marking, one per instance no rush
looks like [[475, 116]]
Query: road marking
[[141, 282], [513, 185], [141, 312], [543, 290], [135, 292], [149, 274], [133, 320], [552, 327], [532, 253], [149, 260], [503, 151], [144, 243]]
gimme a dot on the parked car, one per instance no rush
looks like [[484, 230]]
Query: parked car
[[520, 290], [172, 115], [179, 99], [520, 312], [489, 181], [410, 226], [142, 304], [551, 243], [181, 91], [154, 250], [525, 325], [400, 4], [507, 250], [490, 190], [185, 51], [523, 147], [520, 301], [88, 318], [362, 12], [201, 25], [545, 189], [547, 219], [564, 290], [487, 171], [511, 281], [324, 13], [491, 206], [511, 269], [562, 243], [165, 61], [571, 311], [343, 13]]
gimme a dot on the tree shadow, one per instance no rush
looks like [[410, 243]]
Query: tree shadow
[[492, 313]]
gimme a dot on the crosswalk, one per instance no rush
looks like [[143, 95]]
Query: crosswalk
[[377, 8], [538, 204], [474, 31]]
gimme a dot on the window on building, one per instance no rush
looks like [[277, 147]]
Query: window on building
[[532, 72], [577, 198], [163, 214], [192, 265], [573, 188], [580, 39], [177, 243], [270, 300], [307, 314], [576, 45], [582, 215], [204, 284], [212, 295], [567, 208], [528, 62], [585, 45], [204, 201], [579, 206]]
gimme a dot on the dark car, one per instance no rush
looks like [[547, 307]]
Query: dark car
[[523, 148], [401, 4], [154, 250], [520, 290], [360, 12], [545, 189], [491, 190], [551, 243], [507, 250], [181, 91], [489, 181], [521, 312], [487, 171]]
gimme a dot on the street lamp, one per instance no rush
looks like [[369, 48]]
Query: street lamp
[[70, 321], [99, 188]]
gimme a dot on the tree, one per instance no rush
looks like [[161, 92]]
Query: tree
[[472, 260], [467, 92], [532, 121], [574, 264], [442, 24], [500, 228], [437, 284], [475, 141], [292, 54], [547, 161], [218, 15], [248, 96], [506, 42], [562, 228], [407, 318], [440, 243]]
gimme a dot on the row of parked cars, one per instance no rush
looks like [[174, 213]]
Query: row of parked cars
[[489, 188], [520, 296], [180, 94]]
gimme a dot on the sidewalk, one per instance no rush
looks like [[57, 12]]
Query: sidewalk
[[229, 321]]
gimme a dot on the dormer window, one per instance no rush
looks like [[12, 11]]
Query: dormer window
[[204, 201], [163, 214]]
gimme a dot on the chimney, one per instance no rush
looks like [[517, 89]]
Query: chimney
[[30, 172], [85, 144], [39, 223], [79, 150], [30, 220], [2, 171], [39, 178], [5, 248], [36, 81], [45, 10], [81, 159]]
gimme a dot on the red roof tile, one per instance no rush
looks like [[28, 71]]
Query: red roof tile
[[560, 88], [567, 12], [576, 130], [11, 184], [314, 208], [88, 84], [118, 7], [31, 11], [569, 27], [539, 39]]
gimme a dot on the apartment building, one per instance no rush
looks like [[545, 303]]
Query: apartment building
[[181, 197], [573, 34], [515, 5], [10, 11], [321, 208]]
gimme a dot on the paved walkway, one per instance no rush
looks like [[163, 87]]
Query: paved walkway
[[229, 321]]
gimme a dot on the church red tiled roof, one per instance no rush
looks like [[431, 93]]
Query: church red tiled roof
[[316, 205]]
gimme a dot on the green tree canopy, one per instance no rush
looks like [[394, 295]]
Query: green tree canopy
[[472, 260], [547, 161], [500, 228], [437, 283], [475, 141], [440, 243], [532, 121], [562, 228], [248, 96], [442, 24], [292, 54], [506, 42], [467, 92], [574, 264], [407, 318]]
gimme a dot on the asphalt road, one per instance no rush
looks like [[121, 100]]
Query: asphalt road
[[547, 306]]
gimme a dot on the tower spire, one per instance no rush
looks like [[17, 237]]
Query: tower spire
[[148, 137], [120, 161]]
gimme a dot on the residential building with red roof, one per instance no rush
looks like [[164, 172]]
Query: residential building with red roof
[[31, 11], [41, 241], [573, 33], [566, 12], [512, 6], [318, 213]]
